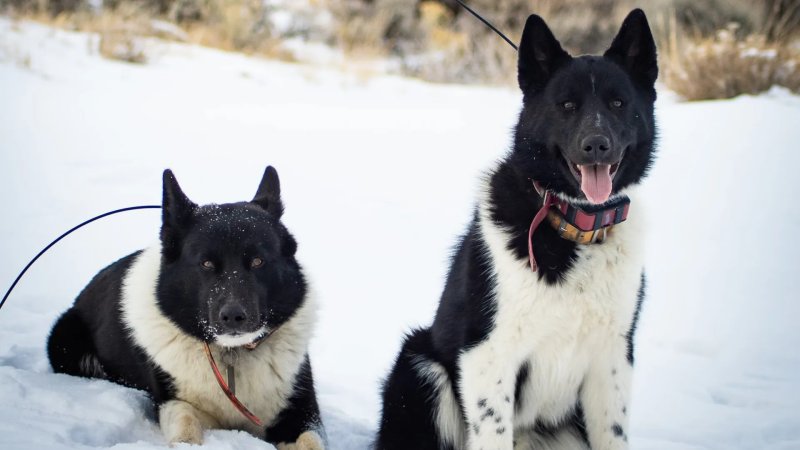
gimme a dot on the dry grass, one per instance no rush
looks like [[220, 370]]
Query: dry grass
[[369, 29], [708, 48], [234, 25], [449, 54], [746, 56], [724, 66], [122, 33], [438, 41], [122, 45], [781, 20]]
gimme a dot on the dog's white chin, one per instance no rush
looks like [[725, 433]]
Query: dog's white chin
[[238, 340]]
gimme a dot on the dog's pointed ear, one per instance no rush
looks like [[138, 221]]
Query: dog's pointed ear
[[268, 195], [176, 215], [634, 49], [540, 55]]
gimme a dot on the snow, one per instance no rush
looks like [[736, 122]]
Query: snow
[[379, 175]]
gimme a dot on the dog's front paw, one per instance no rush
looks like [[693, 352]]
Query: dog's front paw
[[309, 440], [179, 423], [184, 428]]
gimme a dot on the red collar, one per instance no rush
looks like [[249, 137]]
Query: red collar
[[584, 225]]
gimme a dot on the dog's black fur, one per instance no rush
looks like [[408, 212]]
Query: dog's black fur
[[201, 246], [562, 97]]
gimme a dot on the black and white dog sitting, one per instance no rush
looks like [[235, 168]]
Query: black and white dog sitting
[[535, 351], [225, 275]]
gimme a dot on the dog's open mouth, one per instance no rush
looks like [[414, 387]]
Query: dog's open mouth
[[595, 180]]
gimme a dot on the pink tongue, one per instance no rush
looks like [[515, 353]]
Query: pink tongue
[[596, 182]]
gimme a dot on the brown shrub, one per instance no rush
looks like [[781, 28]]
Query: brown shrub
[[122, 33], [122, 45], [439, 41], [374, 28], [724, 66], [706, 17], [237, 25], [240, 25], [447, 53], [781, 20], [158, 7], [49, 7]]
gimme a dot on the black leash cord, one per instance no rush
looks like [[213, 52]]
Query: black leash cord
[[487, 23], [110, 213]]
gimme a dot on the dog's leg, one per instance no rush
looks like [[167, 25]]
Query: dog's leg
[[183, 423], [299, 426], [565, 438], [487, 391], [605, 398], [420, 410]]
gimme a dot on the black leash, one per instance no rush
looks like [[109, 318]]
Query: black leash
[[487, 23], [110, 213]]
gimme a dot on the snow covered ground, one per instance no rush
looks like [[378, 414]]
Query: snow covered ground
[[378, 176]]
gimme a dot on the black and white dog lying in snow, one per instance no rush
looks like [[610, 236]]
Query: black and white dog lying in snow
[[222, 274], [523, 359]]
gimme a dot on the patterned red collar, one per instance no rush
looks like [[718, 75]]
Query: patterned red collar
[[581, 224]]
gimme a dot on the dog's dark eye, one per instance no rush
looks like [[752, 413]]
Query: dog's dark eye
[[256, 263], [616, 103], [568, 106], [208, 265]]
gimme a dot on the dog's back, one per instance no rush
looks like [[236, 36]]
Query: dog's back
[[72, 346]]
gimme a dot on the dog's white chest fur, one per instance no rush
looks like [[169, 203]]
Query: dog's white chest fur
[[264, 377], [558, 330]]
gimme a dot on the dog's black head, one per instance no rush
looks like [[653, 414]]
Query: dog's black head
[[587, 128], [228, 272]]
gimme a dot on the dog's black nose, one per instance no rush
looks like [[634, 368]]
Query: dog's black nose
[[232, 316], [595, 144]]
